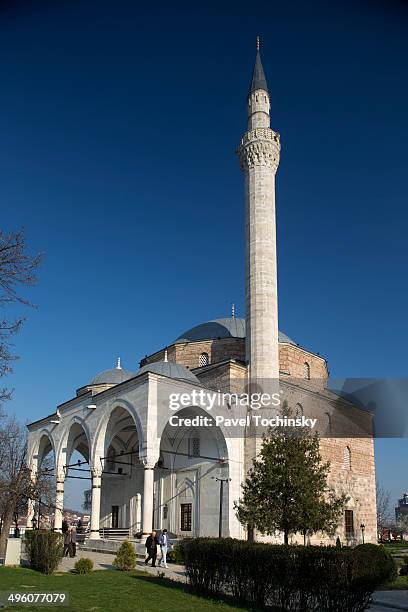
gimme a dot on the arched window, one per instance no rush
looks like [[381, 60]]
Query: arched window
[[194, 447], [306, 370], [347, 457], [203, 360], [298, 411]]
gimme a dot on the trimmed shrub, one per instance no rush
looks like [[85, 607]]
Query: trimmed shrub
[[125, 559], [44, 550], [376, 561], [177, 555], [404, 568], [84, 566], [301, 578]]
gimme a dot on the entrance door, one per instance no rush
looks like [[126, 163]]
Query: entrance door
[[115, 517]]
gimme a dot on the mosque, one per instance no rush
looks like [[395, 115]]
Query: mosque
[[144, 472]]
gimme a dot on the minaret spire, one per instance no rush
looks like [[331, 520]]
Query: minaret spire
[[258, 74]]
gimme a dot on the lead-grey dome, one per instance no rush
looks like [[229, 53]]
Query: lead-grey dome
[[170, 369], [114, 376], [231, 327]]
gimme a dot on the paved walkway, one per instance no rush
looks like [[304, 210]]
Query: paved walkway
[[386, 601], [104, 561]]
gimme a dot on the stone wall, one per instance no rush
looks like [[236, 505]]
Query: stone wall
[[292, 359]]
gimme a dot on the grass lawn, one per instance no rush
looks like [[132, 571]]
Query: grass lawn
[[399, 584], [396, 547], [108, 591]]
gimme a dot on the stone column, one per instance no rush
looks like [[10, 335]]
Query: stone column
[[148, 497], [96, 503], [59, 501], [31, 502]]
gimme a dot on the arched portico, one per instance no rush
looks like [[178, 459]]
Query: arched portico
[[42, 462], [117, 472], [74, 438], [192, 461]]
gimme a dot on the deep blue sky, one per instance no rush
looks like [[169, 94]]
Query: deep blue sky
[[118, 130]]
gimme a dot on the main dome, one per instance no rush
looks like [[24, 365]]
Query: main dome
[[170, 369], [231, 327]]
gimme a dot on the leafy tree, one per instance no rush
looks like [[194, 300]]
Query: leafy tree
[[286, 489]]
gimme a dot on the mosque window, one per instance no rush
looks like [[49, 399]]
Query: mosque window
[[328, 422], [194, 450], [306, 370], [298, 410], [347, 457], [203, 360], [185, 515], [349, 523]]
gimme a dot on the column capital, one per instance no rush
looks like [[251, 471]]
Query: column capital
[[96, 472], [148, 463]]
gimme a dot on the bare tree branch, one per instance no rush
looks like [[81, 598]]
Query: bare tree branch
[[383, 507], [17, 269]]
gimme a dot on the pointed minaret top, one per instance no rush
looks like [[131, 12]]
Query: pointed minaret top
[[233, 310], [118, 366], [258, 75]]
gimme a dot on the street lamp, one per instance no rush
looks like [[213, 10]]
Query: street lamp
[[221, 481], [362, 527]]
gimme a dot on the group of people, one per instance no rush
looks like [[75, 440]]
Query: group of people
[[152, 543], [70, 540]]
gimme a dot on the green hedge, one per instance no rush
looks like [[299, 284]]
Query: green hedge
[[306, 578], [44, 550]]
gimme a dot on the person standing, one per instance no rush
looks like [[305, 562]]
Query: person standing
[[72, 543], [67, 539], [164, 546], [151, 548]]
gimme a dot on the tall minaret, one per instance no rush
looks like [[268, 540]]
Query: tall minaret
[[259, 158]]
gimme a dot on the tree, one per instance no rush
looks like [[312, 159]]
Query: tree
[[286, 489], [16, 482], [17, 268], [383, 507], [402, 523]]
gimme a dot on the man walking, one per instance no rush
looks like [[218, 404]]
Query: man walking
[[164, 544], [151, 548]]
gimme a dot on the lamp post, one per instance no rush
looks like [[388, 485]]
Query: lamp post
[[221, 481], [362, 527]]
